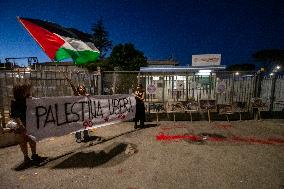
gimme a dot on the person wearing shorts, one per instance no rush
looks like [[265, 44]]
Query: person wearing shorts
[[18, 113]]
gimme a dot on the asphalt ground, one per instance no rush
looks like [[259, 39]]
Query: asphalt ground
[[240, 154]]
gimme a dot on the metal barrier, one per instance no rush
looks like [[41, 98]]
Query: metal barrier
[[223, 87]]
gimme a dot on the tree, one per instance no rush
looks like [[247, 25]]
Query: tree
[[100, 38], [269, 58], [241, 67], [127, 57], [103, 64]]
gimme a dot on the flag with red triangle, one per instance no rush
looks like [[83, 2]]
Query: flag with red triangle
[[61, 43]]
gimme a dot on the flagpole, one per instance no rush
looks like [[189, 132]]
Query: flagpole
[[19, 20]]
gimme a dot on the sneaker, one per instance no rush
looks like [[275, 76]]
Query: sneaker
[[86, 135], [27, 161], [78, 137], [38, 158]]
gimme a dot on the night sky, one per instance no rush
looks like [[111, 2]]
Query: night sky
[[235, 29]]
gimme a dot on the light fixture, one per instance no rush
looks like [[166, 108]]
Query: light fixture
[[237, 73], [156, 78], [204, 72], [183, 78]]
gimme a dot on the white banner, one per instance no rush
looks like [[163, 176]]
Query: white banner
[[57, 116], [206, 60]]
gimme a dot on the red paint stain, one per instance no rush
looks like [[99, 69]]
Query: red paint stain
[[196, 138], [87, 123], [162, 136]]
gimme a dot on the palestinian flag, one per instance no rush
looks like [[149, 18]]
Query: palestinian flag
[[61, 43]]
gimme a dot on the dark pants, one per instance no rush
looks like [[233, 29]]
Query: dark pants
[[140, 113]]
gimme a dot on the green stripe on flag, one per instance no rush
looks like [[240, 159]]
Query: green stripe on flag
[[79, 57]]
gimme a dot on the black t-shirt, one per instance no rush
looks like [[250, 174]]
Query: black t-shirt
[[140, 95], [18, 110]]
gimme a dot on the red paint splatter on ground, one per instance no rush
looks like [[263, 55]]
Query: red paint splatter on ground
[[196, 138], [162, 136]]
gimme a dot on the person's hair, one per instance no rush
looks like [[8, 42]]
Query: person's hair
[[140, 85], [21, 91]]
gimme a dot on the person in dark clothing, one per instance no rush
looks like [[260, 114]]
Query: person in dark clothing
[[140, 107], [18, 113]]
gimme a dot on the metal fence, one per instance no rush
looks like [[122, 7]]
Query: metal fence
[[223, 87], [236, 88]]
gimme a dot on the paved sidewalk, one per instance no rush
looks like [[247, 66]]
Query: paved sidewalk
[[246, 154]]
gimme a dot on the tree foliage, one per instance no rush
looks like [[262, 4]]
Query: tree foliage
[[241, 67], [103, 64], [126, 57], [100, 38], [268, 58]]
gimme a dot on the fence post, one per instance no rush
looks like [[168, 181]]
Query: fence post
[[257, 88], [186, 85], [232, 90], [138, 78], [100, 75], [163, 94], [2, 103], [272, 94]]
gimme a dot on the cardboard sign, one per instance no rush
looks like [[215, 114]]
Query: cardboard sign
[[207, 104], [155, 107], [221, 87], [57, 116], [206, 59], [174, 107]]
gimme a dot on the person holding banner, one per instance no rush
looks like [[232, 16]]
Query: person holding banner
[[140, 107], [18, 123], [80, 90]]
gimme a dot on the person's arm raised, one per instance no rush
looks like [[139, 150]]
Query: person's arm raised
[[71, 84]]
